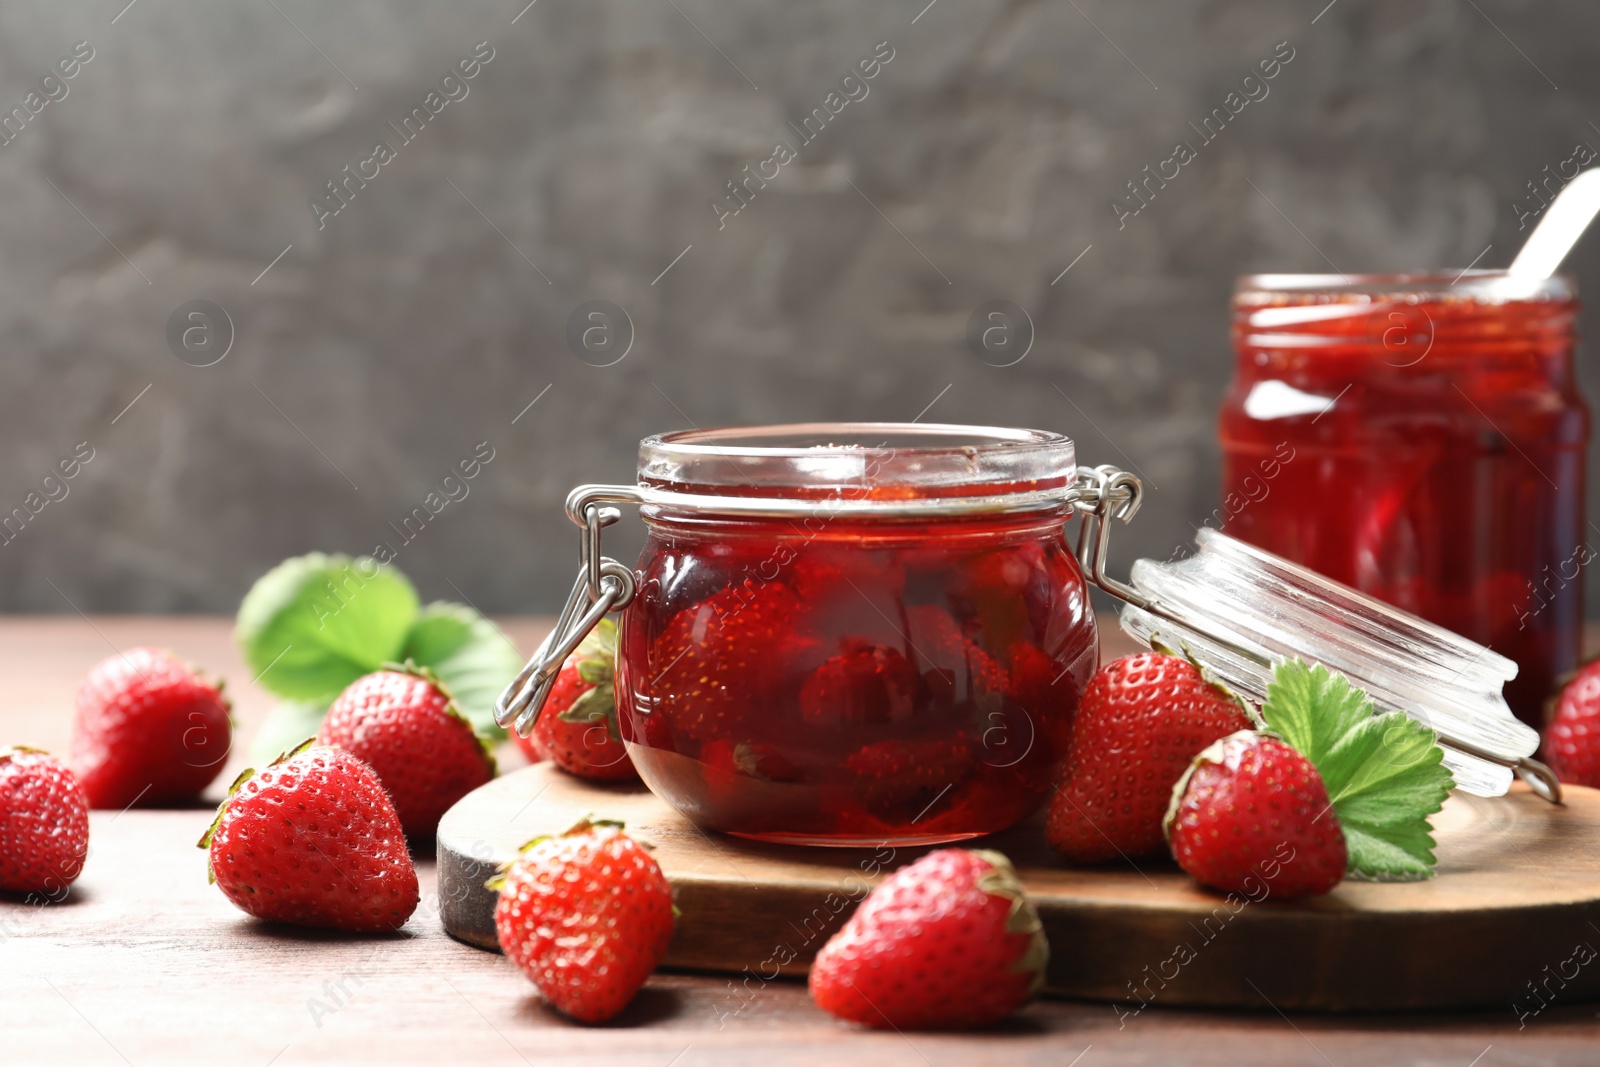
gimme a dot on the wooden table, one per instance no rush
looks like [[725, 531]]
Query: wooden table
[[148, 965]]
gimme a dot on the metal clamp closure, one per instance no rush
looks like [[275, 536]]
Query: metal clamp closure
[[603, 585]]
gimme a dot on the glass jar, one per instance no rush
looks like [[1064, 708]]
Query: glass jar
[[1422, 439], [877, 659]]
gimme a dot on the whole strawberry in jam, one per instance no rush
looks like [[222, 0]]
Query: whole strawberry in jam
[[405, 726], [954, 668], [949, 942], [587, 916], [711, 668], [313, 840], [1252, 812], [149, 729], [1046, 691], [866, 683], [44, 824], [578, 727], [907, 782], [1142, 720], [1572, 739]]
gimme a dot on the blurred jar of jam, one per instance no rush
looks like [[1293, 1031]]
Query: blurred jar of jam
[[1422, 438]]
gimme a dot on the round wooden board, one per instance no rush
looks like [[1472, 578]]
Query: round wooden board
[[1513, 910]]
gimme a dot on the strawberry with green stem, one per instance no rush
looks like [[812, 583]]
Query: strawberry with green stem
[[577, 729], [1253, 812], [1332, 790], [1384, 773], [313, 840], [586, 915], [1141, 721], [405, 724]]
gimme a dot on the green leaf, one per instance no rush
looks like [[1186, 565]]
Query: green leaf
[[289, 724], [600, 643], [595, 705], [470, 654], [595, 672], [315, 623], [1384, 773]]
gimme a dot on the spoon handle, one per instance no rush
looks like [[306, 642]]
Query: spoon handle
[[1563, 224]]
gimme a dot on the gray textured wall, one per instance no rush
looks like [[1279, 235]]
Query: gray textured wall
[[426, 314]]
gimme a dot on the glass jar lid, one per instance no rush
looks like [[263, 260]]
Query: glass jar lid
[[883, 468], [1241, 611]]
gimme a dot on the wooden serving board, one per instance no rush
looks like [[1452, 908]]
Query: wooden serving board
[[1516, 901]]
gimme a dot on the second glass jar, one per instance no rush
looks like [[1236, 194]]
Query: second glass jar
[[1421, 438]]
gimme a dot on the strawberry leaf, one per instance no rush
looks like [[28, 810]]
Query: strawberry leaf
[[1384, 773], [315, 623], [594, 672], [290, 723], [596, 659], [599, 646], [470, 654], [595, 705]]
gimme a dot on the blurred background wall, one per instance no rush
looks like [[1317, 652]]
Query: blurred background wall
[[587, 158]]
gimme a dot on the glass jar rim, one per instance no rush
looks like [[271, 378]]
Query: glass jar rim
[[1489, 286], [868, 466]]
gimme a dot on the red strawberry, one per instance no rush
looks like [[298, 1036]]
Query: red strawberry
[[866, 683], [312, 840], [901, 781], [404, 725], [1252, 811], [955, 668], [709, 667], [578, 726], [44, 824], [949, 942], [1037, 682], [1046, 690], [1572, 739], [818, 573], [1141, 721], [149, 729], [587, 916]]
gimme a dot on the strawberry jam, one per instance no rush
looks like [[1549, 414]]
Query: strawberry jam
[[1422, 439], [836, 640]]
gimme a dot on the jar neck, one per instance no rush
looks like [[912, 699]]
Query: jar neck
[[855, 526], [1321, 334]]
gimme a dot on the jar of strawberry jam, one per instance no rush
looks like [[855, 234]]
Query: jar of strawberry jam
[[853, 632], [1421, 438]]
